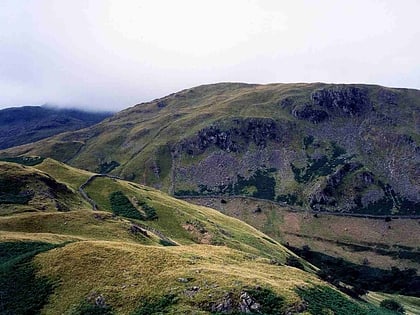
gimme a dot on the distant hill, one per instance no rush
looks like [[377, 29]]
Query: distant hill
[[337, 148], [20, 125]]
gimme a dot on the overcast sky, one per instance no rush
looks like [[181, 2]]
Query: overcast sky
[[110, 55]]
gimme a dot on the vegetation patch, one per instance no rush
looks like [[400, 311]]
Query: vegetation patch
[[362, 277], [10, 191], [290, 199], [86, 308], [260, 185], [322, 166], [324, 300], [164, 160], [107, 167], [392, 305], [264, 185], [21, 290], [158, 305], [293, 261], [390, 201], [148, 209], [271, 303], [122, 206], [24, 160]]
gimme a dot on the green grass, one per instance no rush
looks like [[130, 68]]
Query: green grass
[[173, 215], [86, 308], [271, 302], [322, 300], [156, 306], [21, 290], [410, 304], [64, 173]]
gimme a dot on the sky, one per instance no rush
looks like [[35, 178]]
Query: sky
[[112, 54]]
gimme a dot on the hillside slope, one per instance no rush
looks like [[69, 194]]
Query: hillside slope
[[20, 125], [144, 253], [345, 148]]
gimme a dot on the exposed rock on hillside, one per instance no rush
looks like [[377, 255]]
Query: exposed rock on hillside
[[351, 100], [234, 137]]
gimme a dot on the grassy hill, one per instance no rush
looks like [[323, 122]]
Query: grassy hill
[[20, 125], [335, 148], [142, 252]]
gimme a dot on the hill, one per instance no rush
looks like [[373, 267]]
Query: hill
[[142, 252], [20, 125], [334, 148]]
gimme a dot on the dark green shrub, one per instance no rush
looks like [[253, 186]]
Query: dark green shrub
[[107, 167], [10, 191], [86, 308], [270, 302], [24, 160], [166, 243], [363, 277], [324, 300], [21, 290], [292, 261], [156, 306], [122, 206], [149, 210], [290, 199], [393, 306], [262, 181]]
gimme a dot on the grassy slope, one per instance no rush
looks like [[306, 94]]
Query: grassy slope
[[125, 274], [99, 256], [104, 255], [44, 192], [411, 304]]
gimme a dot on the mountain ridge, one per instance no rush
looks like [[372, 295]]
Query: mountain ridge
[[26, 124], [299, 139]]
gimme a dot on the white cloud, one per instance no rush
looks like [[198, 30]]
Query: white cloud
[[112, 54]]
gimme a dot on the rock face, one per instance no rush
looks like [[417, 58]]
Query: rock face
[[308, 113], [350, 100], [234, 137], [245, 303]]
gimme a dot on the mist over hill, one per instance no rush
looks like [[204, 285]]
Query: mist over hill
[[20, 125]]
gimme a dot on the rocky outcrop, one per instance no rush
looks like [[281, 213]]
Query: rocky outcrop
[[234, 136], [306, 112], [348, 99], [245, 304]]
